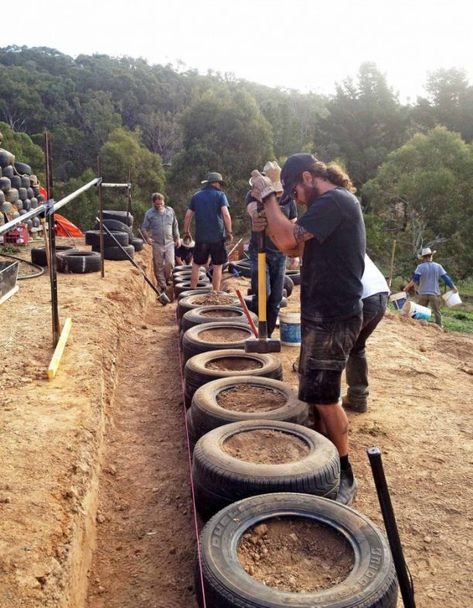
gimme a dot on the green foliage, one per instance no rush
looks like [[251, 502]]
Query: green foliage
[[124, 152], [222, 131], [82, 210], [424, 193], [365, 121], [458, 320]]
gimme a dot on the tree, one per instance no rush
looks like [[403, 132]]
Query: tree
[[124, 152], [23, 148], [449, 103], [223, 131], [424, 191], [365, 122]]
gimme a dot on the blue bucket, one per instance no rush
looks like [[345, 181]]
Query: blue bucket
[[398, 299], [290, 328]]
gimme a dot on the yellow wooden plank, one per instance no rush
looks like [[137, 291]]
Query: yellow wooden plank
[[56, 359]]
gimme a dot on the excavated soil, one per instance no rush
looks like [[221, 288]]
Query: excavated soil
[[95, 505], [265, 447], [234, 364], [212, 298], [219, 312], [295, 555], [247, 398], [224, 335]]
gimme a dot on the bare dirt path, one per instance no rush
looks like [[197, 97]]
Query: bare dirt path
[[145, 539]]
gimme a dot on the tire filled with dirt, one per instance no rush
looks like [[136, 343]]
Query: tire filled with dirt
[[297, 550], [210, 366], [254, 457], [246, 398], [214, 336], [214, 314], [210, 298]]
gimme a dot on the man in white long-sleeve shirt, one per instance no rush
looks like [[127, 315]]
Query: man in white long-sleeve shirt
[[375, 299]]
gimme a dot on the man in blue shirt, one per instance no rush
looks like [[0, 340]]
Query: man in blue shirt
[[331, 237], [213, 226], [426, 278]]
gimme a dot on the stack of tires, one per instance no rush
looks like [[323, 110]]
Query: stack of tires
[[181, 276], [256, 466], [19, 189], [122, 242]]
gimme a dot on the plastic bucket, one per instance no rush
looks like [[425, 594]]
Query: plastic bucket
[[416, 311], [290, 328], [398, 299], [451, 298]]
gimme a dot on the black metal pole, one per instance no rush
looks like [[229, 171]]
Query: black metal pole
[[128, 205], [56, 327], [405, 584]]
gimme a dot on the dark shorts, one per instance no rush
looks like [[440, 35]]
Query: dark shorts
[[324, 352], [216, 251]]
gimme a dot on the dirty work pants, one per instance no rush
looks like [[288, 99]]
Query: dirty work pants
[[357, 364], [434, 303], [275, 271], [163, 263]]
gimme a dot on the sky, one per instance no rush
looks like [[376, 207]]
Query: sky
[[296, 44]]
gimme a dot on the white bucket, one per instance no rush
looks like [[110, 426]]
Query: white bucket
[[290, 328], [416, 311], [451, 298], [398, 299]]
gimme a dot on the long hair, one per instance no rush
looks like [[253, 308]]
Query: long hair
[[334, 173]]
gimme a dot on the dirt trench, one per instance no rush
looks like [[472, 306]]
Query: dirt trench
[[145, 537]]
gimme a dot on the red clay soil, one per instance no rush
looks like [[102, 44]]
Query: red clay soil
[[95, 507]]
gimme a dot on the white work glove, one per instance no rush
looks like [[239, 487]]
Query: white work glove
[[273, 171], [261, 186]]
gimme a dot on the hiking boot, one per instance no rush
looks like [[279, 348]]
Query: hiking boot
[[360, 408], [348, 487]]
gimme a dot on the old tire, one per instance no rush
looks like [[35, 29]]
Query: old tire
[[117, 254], [193, 342], [38, 254], [193, 292], [81, 262], [23, 168], [295, 276], [371, 583], [214, 314], [185, 285], [207, 414], [137, 243], [121, 216], [288, 286], [114, 225], [92, 237], [192, 301], [220, 478], [196, 372]]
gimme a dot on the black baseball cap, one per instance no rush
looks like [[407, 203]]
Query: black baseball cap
[[292, 169]]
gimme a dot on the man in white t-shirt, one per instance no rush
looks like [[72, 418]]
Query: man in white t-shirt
[[375, 299]]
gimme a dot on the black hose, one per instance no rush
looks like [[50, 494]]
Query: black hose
[[22, 277]]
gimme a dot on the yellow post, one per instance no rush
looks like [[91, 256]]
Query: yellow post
[[56, 359]]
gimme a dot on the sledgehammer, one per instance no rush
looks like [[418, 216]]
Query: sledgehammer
[[262, 344]]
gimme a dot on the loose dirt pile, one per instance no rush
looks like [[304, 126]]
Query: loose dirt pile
[[265, 447], [295, 555], [224, 335], [245, 398], [113, 420]]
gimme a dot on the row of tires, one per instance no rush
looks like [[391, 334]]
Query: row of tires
[[240, 492], [19, 189]]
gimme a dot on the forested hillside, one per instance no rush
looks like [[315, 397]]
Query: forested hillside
[[412, 164]]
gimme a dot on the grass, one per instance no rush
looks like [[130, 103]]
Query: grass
[[458, 320]]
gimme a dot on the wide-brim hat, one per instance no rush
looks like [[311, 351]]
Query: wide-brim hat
[[212, 177], [425, 252], [187, 242]]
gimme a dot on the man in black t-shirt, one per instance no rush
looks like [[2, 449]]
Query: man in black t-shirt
[[331, 238]]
